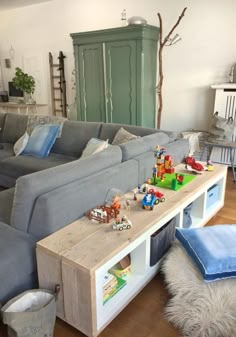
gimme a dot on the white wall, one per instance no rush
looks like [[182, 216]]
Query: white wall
[[204, 55]]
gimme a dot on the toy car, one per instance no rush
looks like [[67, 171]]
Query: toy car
[[149, 201], [160, 196], [195, 166], [124, 223], [152, 198]]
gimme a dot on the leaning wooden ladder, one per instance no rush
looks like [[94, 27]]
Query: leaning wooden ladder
[[58, 86]]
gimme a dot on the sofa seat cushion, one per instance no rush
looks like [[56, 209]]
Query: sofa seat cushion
[[6, 150], [6, 202], [16, 167], [18, 262]]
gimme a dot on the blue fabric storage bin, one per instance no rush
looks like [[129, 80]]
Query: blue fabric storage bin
[[187, 219], [212, 196], [161, 241]]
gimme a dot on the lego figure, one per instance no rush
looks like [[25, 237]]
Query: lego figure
[[127, 204], [116, 203], [179, 178], [169, 164], [154, 173], [210, 166], [162, 177]]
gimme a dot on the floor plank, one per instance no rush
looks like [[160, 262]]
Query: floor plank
[[144, 316]]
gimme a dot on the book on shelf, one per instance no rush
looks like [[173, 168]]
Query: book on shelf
[[111, 286]]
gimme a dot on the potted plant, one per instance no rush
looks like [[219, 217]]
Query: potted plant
[[26, 83]]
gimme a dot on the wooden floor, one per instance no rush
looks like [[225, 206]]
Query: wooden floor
[[143, 317]]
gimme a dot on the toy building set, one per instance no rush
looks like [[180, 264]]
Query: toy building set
[[163, 175], [104, 213], [163, 172]]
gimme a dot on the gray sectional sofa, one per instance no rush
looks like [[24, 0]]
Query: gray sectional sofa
[[45, 194]]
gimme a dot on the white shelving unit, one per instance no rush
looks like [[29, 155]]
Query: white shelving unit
[[79, 255]]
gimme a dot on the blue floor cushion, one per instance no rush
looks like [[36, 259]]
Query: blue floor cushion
[[213, 249]]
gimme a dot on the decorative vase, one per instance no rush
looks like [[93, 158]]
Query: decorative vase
[[28, 99]]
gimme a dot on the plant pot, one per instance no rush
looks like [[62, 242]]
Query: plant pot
[[28, 99]]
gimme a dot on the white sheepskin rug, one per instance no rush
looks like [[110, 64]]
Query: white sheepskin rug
[[197, 308]]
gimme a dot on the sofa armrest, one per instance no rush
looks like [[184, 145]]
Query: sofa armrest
[[18, 262]]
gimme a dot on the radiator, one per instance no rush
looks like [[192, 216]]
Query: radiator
[[225, 104]]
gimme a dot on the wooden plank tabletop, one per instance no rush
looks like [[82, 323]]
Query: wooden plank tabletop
[[90, 244]]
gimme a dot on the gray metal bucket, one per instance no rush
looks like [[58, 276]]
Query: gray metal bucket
[[31, 314]]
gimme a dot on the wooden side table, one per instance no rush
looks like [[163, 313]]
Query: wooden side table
[[230, 146]]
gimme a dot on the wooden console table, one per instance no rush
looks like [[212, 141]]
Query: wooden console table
[[79, 255], [21, 107]]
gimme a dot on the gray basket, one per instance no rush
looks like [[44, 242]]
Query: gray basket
[[31, 314]]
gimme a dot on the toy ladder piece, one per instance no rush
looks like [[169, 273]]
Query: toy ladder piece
[[58, 86]]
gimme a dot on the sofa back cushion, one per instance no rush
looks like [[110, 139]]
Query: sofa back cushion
[[109, 130], [141, 145], [75, 136], [2, 121], [30, 187], [14, 127], [57, 208]]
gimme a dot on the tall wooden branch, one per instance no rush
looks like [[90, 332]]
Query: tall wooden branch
[[162, 43]]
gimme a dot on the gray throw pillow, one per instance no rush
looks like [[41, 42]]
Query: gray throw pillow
[[94, 146], [122, 136]]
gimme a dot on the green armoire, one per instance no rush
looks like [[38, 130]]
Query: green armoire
[[115, 73]]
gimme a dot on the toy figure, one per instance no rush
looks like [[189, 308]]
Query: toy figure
[[127, 204], [123, 223], [154, 173], [162, 177], [169, 164], [210, 166], [116, 202], [179, 178], [144, 188]]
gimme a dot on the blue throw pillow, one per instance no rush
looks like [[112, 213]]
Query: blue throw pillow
[[213, 249], [41, 140]]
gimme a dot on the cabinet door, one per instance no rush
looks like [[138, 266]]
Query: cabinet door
[[120, 74], [90, 79]]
